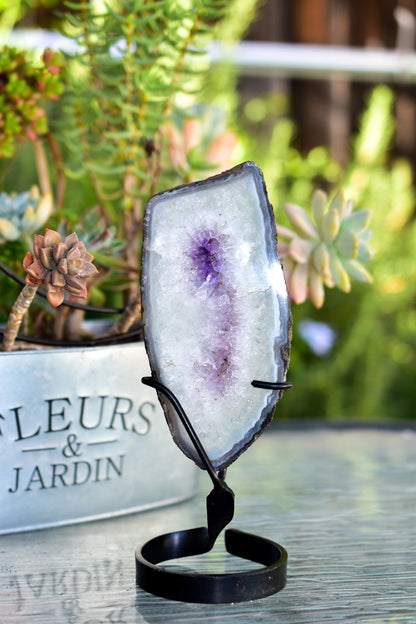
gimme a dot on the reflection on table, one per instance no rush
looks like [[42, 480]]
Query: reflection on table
[[341, 501]]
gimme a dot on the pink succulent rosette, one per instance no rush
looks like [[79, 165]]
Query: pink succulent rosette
[[61, 265]]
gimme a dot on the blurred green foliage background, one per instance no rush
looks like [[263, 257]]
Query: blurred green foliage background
[[370, 371]]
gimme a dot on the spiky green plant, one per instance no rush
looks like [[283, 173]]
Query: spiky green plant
[[326, 248], [134, 59], [132, 63]]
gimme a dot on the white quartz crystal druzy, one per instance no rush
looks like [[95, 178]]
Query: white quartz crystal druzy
[[215, 308]]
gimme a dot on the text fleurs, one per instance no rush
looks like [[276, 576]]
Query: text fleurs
[[83, 430]]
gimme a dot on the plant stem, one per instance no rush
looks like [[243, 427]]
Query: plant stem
[[42, 167], [61, 182], [16, 315], [131, 315], [133, 221], [60, 321]]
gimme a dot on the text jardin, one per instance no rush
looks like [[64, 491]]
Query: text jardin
[[75, 473], [65, 425]]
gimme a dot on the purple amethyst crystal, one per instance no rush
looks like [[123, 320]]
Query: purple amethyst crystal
[[209, 267], [205, 255], [215, 308]]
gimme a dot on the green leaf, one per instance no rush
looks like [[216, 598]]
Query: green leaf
[[96, 297], [74, 174], [8, 230], [337, 202], [365, 235], [109, 261], [146, 6], [347, 209], [357, 221], [357, 272], [321, 259], [319, 200], [140, 174], [365, 254], [329, 225], [74, 6], [338, 273], [301, 221], [347, 244], [105, 170]]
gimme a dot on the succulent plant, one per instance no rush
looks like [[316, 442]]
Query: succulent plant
[[23, 214], [326, 249], [59, 265], [23, 85], [93, 230]]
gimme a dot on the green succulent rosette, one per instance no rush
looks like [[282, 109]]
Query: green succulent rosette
[[23, 214], [327, 248]]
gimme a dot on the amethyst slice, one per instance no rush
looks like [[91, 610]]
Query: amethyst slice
[[215, 307]]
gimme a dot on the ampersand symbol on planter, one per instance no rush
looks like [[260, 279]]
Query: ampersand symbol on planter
[[72, 447]]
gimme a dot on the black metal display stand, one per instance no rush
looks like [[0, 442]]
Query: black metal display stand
[[211, 588]]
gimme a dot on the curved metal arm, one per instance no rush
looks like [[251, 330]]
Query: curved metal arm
[[154, 383], [220, 501]]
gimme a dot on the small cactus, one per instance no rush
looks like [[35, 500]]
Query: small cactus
[[23, 214], [325, 250], [61, 265]]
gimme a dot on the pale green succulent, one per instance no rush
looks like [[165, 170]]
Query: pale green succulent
[[23, 214], [326, 249]]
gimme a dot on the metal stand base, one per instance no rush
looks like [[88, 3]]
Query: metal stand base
[[210, 588]]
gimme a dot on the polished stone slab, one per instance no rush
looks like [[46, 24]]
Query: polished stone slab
[[216, 309]]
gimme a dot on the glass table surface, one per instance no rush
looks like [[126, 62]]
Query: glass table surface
[[342, 501]]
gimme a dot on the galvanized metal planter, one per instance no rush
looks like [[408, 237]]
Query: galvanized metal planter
[[81, 438]]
